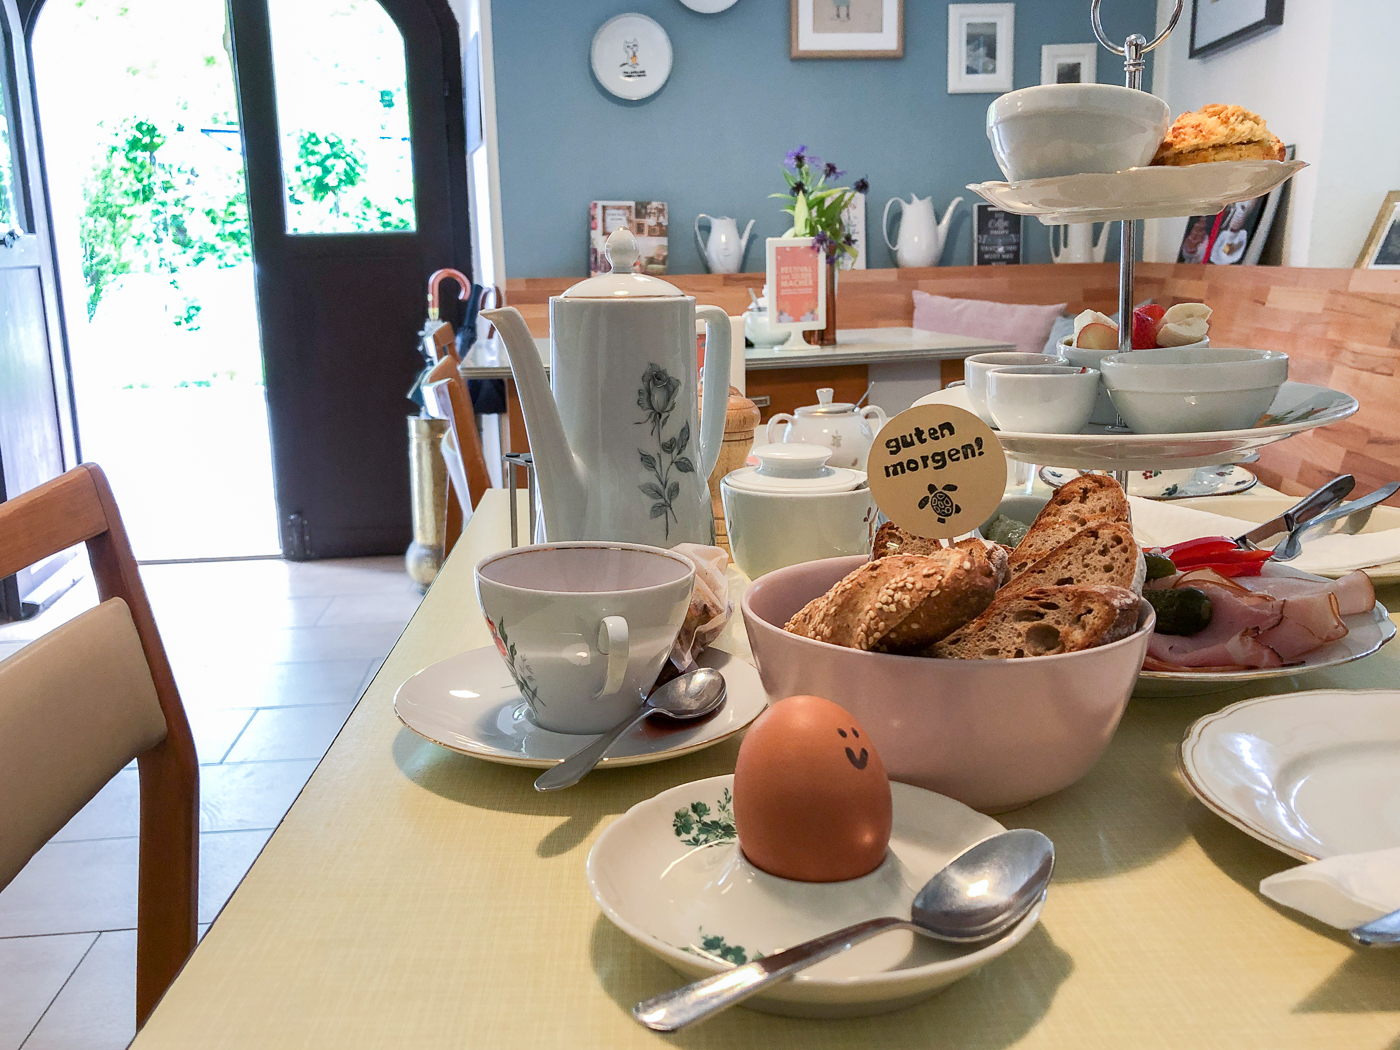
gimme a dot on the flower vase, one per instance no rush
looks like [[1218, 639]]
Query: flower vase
[[826, 336]]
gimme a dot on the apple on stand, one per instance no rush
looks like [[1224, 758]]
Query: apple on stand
[[1097, 336]]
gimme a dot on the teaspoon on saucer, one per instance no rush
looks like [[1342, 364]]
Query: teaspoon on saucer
[[979, 895]]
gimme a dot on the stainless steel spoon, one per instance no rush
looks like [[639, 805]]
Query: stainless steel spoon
[[693, 695], [1356, 514], [978, 896]]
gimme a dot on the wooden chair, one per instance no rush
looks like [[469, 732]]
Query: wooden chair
[[81, 702], [445, 397]]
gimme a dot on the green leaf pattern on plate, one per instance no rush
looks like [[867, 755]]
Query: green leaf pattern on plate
[[698, 825]]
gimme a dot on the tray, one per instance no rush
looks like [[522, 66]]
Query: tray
[[1139, 193]]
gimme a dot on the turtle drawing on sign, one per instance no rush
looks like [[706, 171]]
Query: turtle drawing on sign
[[940, 502]]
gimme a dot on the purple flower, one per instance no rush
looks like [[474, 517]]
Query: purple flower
[[848, 240], [794, 158], [831, 171], [823, 242], [813, 161], [798, 187], [862, 185]]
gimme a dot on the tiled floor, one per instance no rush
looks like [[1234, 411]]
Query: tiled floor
[[270, 657]]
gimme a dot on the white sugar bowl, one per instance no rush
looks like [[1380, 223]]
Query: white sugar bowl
[[793, 507], [847, 431]]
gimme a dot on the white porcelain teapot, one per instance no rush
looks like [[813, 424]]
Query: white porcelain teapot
[[921, 232], [838, 425], [724, 251], [623, 448], [1075, 243]]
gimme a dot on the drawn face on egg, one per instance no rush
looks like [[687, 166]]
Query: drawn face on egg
[[859, 761]]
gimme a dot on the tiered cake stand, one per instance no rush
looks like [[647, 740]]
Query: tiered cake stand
[[1146, 193]]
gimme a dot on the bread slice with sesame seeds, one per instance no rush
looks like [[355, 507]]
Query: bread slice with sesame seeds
[[902, 603]]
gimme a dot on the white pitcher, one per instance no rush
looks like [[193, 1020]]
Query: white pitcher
[[1076, 243], [724, 251], [921, 233]]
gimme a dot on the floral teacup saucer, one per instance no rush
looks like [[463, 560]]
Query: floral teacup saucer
[[669, 873]]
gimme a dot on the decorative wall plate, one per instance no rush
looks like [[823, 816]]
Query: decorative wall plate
[[631, 56], [709, 7]]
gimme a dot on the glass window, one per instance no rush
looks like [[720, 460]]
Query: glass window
[[9, 203], [342, 111]]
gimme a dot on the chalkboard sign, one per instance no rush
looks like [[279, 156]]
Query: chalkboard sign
[[996, 236]]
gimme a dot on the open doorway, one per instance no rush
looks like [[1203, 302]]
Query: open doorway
[[146, 182]]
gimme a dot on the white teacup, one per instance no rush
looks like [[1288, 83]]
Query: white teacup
[[976, 367], [584, 627], [1042, 399]]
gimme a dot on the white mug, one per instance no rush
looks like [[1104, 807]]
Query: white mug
[[584, 627]]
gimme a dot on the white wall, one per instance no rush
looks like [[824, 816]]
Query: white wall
[[483, 171], [1321, 88]]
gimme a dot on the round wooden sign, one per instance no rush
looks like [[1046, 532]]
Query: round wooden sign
[[937, 471]]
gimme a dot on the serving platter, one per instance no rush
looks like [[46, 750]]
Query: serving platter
[[1226, 480], [669, 873], [1139, 193], [1312, 774], [468, 703], [1298, 407]]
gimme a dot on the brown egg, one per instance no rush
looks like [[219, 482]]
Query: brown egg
[[811, 796]]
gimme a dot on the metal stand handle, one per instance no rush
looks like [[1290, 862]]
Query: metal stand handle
[[526, 461]]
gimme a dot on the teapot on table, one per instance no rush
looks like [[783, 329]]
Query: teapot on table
[[623, 447], [724, 251], [837, 425], [921, 233]]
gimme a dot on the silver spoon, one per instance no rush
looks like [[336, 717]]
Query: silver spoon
[[692, 695], [978, 896], [1292, 544]]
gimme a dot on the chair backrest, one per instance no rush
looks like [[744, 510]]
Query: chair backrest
[[86, 698], [445, 397]]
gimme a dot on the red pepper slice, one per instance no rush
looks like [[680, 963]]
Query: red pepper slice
[[1204, 545], [1230, 557]]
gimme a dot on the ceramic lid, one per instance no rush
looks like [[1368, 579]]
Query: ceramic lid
[[796, 468], [623, 282], [825, 406]]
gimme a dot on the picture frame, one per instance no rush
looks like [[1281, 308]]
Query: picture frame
[[853, 221], [1382, 248], [981, 48], [649, 223], [1069, 63], [997, 236], [876, 29], [1219, 24], [796, 273], [1237, 234]]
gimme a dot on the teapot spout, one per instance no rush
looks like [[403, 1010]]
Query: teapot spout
[[562, 484], [744, 240], [947, 218]]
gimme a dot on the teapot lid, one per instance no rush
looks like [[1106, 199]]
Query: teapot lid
[[825, 406], [622, 282], [794, 467]]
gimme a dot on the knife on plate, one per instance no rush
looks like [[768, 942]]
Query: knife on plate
[[1304, 510], [1380, 933], [1355, 515]]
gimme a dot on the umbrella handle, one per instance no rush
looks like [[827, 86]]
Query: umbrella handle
[[435, 288]]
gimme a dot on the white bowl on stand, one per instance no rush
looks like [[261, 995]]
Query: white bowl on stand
[[1190, 391], [1068, 129]]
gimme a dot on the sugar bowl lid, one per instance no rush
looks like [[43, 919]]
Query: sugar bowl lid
[[795, 468], [623, 282], [825, 406]]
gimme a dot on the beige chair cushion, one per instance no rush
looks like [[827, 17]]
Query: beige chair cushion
[[75, 707]]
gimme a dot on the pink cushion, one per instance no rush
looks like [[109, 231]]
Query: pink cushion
[[1028, 327]]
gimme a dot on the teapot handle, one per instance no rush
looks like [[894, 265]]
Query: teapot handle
[[885, 220], [878, 413], [700, 242], [781, 417], [714, 406]]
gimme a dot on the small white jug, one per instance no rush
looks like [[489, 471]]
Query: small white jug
[[724, 251], [921, 233], [1077, 243]]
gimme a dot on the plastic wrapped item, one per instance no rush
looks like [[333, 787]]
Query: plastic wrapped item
[[710, 603]]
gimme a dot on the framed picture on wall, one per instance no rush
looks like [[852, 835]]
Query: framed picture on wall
[[1382, 248], [1069, 63], [847, 29], [996, 236], [981, 43], [1218, 24], [853, 222]]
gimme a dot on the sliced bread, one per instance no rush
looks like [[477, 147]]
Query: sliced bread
[[1044, 621], [891, 539], [1089, 499], [900, 603], [1103, 554]]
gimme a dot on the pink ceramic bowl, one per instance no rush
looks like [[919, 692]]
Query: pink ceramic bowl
[[994, 734]]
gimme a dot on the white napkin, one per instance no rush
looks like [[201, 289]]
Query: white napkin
[[1343, 891], [1158, 524]]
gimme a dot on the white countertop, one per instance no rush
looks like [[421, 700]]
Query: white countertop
[[855, 346]]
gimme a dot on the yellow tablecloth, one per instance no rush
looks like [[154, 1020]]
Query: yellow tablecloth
[[416, 898]]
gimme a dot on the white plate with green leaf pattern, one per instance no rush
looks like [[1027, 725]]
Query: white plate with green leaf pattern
[[669, 873]]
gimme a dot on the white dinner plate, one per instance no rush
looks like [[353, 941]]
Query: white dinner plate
[[1139, 193], [1366, 633], [631, 56], [469, 704], [669, 874], [1313, 774], [1297, 407], [1228, 480]]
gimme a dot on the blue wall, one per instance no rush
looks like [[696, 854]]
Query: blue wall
[[712, 140]]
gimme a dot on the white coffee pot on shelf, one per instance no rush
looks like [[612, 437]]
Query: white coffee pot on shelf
[[724, 251], [921, 232], [1076, 243], [839, 425], [623, 445]]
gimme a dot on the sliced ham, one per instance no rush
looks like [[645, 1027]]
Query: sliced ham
[[1354, 591], [1307, 623]]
